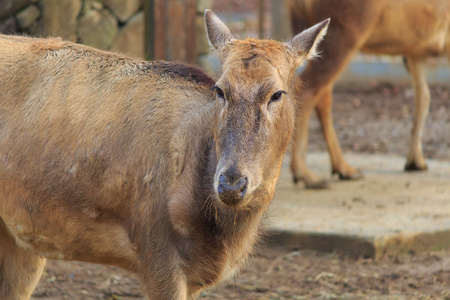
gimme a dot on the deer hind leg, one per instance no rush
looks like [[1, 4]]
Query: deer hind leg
[[338, 163], [415, 160], [350, 27], [299, 168], [320, 76], [319, 96], [20, 269]]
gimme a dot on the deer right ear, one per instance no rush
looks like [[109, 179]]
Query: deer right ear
[[218, 32], [304, 45]]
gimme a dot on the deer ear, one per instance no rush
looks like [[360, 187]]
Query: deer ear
[[304, 45], [218, 32]]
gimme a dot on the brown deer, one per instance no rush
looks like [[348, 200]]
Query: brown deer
[[150, 166], [416, 29]]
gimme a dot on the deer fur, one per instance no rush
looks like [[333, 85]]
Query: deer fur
[[415, 29], [110, 160]]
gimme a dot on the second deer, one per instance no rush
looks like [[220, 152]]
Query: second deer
[[415, 29]]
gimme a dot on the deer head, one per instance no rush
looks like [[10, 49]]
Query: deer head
[[255, 108]]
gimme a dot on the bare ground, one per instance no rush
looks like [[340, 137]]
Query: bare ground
[[372, 120], [276, 273]]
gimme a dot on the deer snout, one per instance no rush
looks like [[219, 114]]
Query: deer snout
[[232, 188]]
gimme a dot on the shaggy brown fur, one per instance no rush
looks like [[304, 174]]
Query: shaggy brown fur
[[415, 29], [109, 160]]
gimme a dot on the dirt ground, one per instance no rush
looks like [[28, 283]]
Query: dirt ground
[[375, 119], [275, 273]]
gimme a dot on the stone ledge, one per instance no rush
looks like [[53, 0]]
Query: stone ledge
[[357, 247], [352, 246]]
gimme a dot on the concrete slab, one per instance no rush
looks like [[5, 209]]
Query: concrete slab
[[388, 212]]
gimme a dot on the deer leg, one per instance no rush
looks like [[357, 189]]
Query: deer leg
[[320, 76], [299, 148], [341, 42], [20, 269], [173, 288], [161, 276], [338, 163], [319, 95], [415, 160]]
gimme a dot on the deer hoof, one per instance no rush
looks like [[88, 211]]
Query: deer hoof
[[317, 185], [412, 166], [353, 176]]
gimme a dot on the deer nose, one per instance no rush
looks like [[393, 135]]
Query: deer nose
[[232, 188]]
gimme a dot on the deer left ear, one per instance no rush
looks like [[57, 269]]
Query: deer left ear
[[218, 32], [304, 45]]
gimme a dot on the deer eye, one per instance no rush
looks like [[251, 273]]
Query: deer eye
[[277, 96], [219, 92]]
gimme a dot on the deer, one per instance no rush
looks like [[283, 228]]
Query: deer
[[153, 167], [415, 29]]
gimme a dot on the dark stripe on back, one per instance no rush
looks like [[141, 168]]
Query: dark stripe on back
[[181, 70]]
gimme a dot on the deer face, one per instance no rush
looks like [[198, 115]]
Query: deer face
[[255, 109]]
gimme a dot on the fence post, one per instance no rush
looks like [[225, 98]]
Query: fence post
[[148, 31], [170, 29]]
